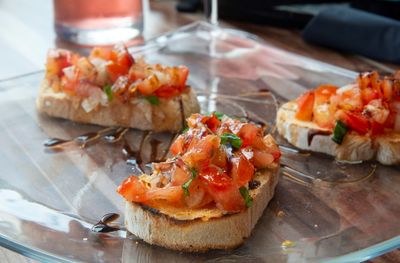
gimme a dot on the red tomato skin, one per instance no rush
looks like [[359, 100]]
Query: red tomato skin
[[222, 189], [377, 128], [248, 132], [369, 94], [213, 123], [305, 104], [356, 121], [242, 170], [323, 93], [132, 189]]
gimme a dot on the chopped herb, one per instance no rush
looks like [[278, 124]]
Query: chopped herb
[[231, 138], [185, 129], [153, 100], [246, 196], [108, 91], [339, 132], [219, 114], [186, 185]]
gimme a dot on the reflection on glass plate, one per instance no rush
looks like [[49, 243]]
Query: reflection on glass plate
[[50, 197]]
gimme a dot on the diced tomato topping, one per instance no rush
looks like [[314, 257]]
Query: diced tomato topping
[[242, 170], [202, 152], [101, 52], [180, 175], [57, 60], [132, 189], [220, 158], [323, 113], [168, 91], [356, 121], [377, 128], [172, 194], [204, 171], [222, 188], [369, 94], [177, 146], [213, 123], [263, 159], [305, 104], [390, 121], [248, 132], [323, 93]]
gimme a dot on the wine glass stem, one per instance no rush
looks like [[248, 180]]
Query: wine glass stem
[[214, 12]]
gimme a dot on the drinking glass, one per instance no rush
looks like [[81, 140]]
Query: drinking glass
[[98, 22]]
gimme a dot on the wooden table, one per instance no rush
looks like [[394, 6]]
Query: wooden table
[[26, 32]]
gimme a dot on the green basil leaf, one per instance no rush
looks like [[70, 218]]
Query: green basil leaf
[[108, 91], [153, 100], [185, 129], [219, 114], [246, 196], [339, 132], [186, 185], [231, 138]]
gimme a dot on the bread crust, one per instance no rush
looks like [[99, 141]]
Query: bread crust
[[229, 231], [384, 148], [137, 113]]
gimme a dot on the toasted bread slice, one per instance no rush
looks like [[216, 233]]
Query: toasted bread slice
[[138, 113], [199, 230], [384, 148]]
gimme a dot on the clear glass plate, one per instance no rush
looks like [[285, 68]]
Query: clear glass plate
[[50, 200]]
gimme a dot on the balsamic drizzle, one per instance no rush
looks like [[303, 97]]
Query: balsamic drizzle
[[53, 142], [116, 136], [173, 138], [103, 227], [311, 133], [154, 150], [132, 157], [84, 139], [182, 112]]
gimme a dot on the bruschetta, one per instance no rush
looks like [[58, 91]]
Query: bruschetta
[[357, 122], [111, 88], [211, 192]]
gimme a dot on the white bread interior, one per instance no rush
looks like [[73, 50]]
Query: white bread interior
[[137, 113], [199, 230], [384, 148]]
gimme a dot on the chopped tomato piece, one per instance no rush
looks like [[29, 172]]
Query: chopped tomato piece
[[57, 60], [213, 123], [177, 146], [390, 121], [323, 93], [102, 52], [202, 152], [377, 128], [168, 91], [263, 159], [248, 132], [220, 158], [180, 176], [356, 121], [222, 189], [172, 194], [132, 189], [242, 170], [198, 196], [369, 94], [305, 104], [323, 113]]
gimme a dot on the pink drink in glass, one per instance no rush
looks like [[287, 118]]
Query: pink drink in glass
[[98, 22]]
